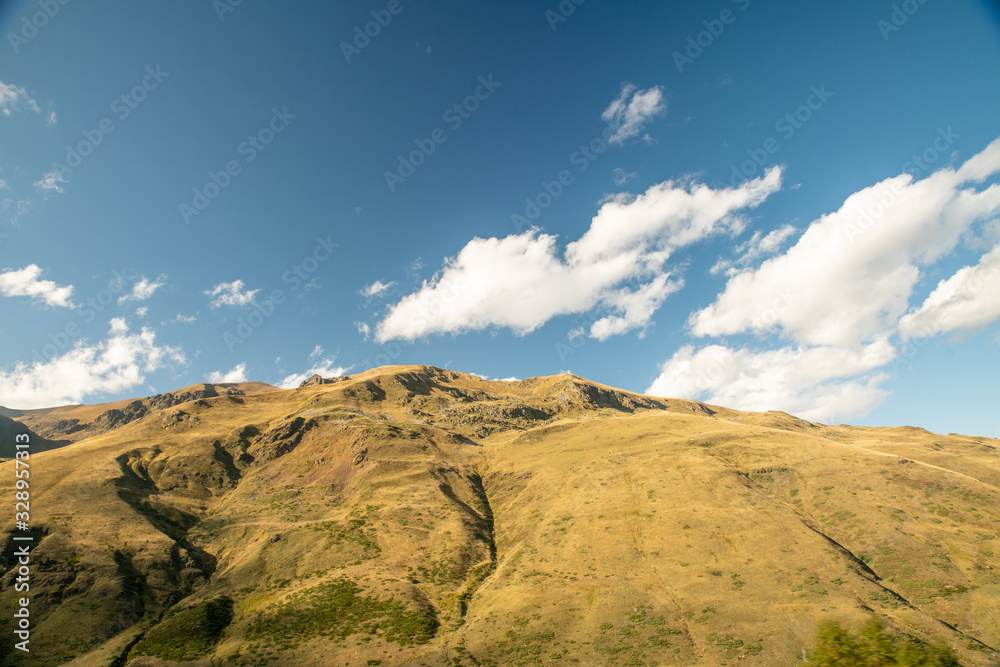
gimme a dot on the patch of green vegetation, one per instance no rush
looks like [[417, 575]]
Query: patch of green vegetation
[[335, 609], [873, 647], [734, 646], [188, 634]]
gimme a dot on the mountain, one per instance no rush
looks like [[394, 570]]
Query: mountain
[[411, 515], [10, 429], [75, 422]]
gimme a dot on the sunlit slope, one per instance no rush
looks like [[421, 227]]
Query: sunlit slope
[[411, 515]]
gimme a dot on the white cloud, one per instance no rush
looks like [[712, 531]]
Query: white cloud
[[184, 319], [51, 119], [838, 298], [627, 115], [375, 289], [141, 312], [849, 277], [363, 329], [14, 98], [237, 374], [823, 383], [324, 368], [621, 177], [231, 294], [317, 352], [637, 307], [143, 289], [110, 366], [523, 280], [967, 301], [51, 180], [757, 247], [27, 282]]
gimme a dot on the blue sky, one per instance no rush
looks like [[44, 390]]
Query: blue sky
[[712, 200]]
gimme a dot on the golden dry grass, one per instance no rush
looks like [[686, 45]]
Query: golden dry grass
[[416, 516]]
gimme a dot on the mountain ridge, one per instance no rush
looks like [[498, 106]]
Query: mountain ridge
[[418, 516]]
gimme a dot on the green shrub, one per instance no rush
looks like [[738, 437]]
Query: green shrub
[[188, 634], [835, 646]]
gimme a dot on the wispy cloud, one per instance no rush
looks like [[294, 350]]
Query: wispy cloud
[[621, 177], [376, 288], [231, 294], [628, 114], [14, 98], [51, 180], [143, 289], [28, 282]]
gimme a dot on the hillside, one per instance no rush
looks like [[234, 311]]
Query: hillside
[[417, 516]]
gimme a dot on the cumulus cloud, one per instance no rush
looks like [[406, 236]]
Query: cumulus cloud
[[363, 328], [143, 289], [850, 275], [27, 282], [114, 365], [965, 302], [231, 294], [237, 374], [14, 98], [375, 289], [324, 368], [839, 296], [822, 383], [628, 114], [523, 280]]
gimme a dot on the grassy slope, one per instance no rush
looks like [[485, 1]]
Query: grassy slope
[[418, 516]]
